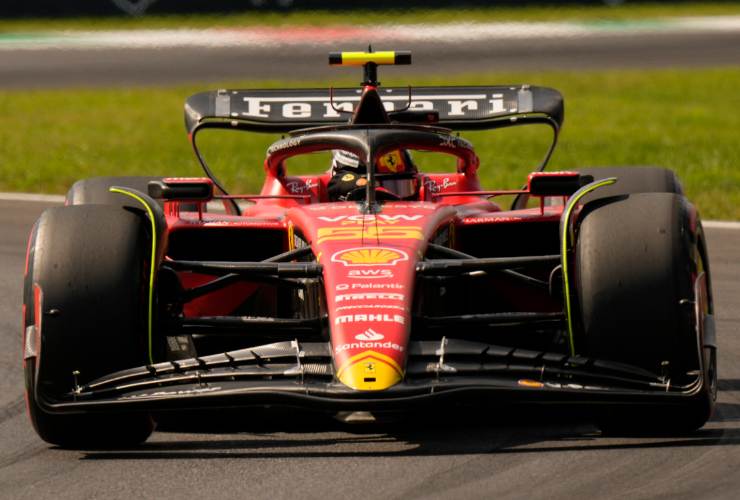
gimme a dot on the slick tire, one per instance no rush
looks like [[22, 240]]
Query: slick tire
[[95, 190], [637, 258], [85, 307], [630, 180]]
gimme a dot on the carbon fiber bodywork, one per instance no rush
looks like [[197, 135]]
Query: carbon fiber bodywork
[[301, 375]]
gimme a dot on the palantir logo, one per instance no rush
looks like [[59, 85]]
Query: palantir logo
[[370, 334]]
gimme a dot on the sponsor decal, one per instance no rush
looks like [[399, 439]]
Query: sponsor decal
[[164, 394], [370, 306], [369, 345], [447, 141], [369, 334], [382, 219], [369, 296], [301, 187], [285, 144], [369, 232], [459, 105], [370, 256], [329, 207], [362, 318], [434, 187], [366, 286], [492, 220], [370, 273]]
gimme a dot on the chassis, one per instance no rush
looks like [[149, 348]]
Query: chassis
[[285, 298]]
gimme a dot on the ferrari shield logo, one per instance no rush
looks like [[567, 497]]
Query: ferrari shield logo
[[391, 162]]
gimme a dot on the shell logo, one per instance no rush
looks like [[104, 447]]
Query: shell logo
[[370, 256]]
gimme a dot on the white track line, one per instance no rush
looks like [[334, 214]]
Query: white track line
[[720, 224], [58, 198], [272, 36], [42, 198]]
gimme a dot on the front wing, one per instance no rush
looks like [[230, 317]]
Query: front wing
[[297, 374]]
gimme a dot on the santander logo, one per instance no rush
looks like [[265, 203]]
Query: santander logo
[[370, 334]]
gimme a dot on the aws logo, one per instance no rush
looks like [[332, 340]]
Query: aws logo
[[370, 256], [370, 273]]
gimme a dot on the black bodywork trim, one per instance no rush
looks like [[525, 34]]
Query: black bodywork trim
[[281, 269], [458, 265], [261, 110]]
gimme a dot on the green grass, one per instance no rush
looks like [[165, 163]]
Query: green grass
[[683, 119], [595, 12]]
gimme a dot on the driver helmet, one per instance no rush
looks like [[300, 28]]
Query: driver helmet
[[395, 173], [345, 160]]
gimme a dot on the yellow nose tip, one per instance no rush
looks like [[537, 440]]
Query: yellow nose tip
[[370, 371]]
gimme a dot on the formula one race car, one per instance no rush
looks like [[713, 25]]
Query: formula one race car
[[371, 286]]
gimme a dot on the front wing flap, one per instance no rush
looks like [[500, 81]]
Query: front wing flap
[[302, 375]]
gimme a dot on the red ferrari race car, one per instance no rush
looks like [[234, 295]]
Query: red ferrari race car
[[370, 286]]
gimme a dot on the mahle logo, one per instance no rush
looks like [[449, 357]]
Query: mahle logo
[[370, 256]]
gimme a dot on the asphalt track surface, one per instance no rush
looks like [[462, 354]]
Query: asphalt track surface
[[56, 67], [508, 457], [532, 455]]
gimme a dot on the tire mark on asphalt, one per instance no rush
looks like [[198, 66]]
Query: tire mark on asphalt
[[24, 454], [12, 409]]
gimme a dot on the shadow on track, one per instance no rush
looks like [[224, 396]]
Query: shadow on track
[[729, 384], [518, 432]]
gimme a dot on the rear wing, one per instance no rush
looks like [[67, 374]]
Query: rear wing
[[459, 108]]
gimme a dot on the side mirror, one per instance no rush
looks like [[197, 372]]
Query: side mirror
[[556, 183], [182, 189]]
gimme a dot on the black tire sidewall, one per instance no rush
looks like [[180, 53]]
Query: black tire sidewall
[[91, 263], [95, 190], [634, 264]]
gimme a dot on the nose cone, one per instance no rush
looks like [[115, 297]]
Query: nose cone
[[370, 371]]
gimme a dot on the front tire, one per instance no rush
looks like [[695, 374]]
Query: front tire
[[94, 190], [84, 301], [637, 261]]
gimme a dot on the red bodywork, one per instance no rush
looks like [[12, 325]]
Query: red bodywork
[[380, 301], [369, 260]]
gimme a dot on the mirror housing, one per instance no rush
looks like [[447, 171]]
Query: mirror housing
[[556, 183], [182, 189]]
